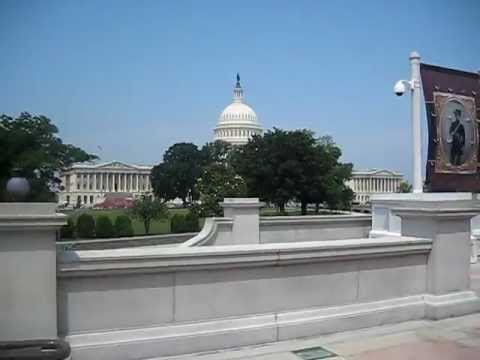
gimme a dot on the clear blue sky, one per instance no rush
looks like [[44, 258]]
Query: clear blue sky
[[135, 77]]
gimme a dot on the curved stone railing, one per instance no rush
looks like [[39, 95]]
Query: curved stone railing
[[215, 230], [284, 229], [281, 229]]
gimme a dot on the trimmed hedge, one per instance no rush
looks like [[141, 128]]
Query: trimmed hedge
[[68, 231], [123, 226], [184, 223], [86, 226], [104, 227], [191, 222]]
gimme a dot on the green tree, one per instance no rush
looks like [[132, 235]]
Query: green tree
[[184, 223], [68, 231], [104, 227], [328, 184], [217, 182], [86, 226], [284, 165], [405, 187], [123, 226], [31, 144], [147, 209], [216, 152], [269, 167], [176, 176]]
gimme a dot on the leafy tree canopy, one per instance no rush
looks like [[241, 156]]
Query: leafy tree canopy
[[285, 165], [147, 209], [182, 166], [176, 176], [31, 144], [217, 182], [405, 187], [216, 152]]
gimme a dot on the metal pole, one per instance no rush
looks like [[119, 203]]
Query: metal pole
[[416, 122]]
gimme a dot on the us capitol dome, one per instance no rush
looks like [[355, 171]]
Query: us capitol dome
[[238, 122]]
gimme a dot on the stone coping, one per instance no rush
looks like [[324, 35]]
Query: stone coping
[[30, 216], [426, 197], [444, 213], [21, 209], [313, 219], [157, 259], [429, 202]]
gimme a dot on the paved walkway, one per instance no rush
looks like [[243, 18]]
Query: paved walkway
[[448, 339]]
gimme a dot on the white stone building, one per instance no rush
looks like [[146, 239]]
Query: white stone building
[[374, 181], [88, 184], [238, 122]]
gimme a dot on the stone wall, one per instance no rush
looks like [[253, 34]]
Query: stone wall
[[147, 302], [276, 229], [138, 303], [386, 223]]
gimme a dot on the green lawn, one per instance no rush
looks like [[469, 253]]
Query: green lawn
[[157, 226], [163, 226]]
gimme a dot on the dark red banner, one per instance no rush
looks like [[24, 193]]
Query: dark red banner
[[452, 99]]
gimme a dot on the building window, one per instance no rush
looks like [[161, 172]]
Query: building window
[[91, 199], [85, 199], [78, 186], [79, 200], [68, 199]]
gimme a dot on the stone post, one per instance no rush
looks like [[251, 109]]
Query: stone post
[[245, 213], [447, 222], [28, 288]]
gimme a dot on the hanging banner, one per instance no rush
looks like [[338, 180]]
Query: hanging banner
[[452, 101]]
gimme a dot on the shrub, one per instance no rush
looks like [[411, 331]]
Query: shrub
[[177, 223], [147, 209], [191, 222], [68, 231], [184, 223], [86, 226], [123, 226], [104, 227]]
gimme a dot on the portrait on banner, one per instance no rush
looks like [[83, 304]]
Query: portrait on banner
[[457, 133]]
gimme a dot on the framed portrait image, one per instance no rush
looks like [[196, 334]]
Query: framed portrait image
[[457, 134]]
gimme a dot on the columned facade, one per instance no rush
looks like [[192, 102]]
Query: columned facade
[[89, 184], [366, 183]]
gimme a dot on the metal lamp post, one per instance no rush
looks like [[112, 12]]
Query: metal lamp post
[[415, 87]]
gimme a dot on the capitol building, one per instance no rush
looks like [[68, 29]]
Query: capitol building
[[365, 183], [238, 122], [89, 184]]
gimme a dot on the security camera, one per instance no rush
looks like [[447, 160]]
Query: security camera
[[401, 87]]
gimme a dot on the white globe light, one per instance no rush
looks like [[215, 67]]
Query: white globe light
[[18, 186]]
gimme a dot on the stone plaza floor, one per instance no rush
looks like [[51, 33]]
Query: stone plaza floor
[[448, 339]]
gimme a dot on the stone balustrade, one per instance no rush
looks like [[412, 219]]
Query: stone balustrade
[[252, 228], [146, 302]]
